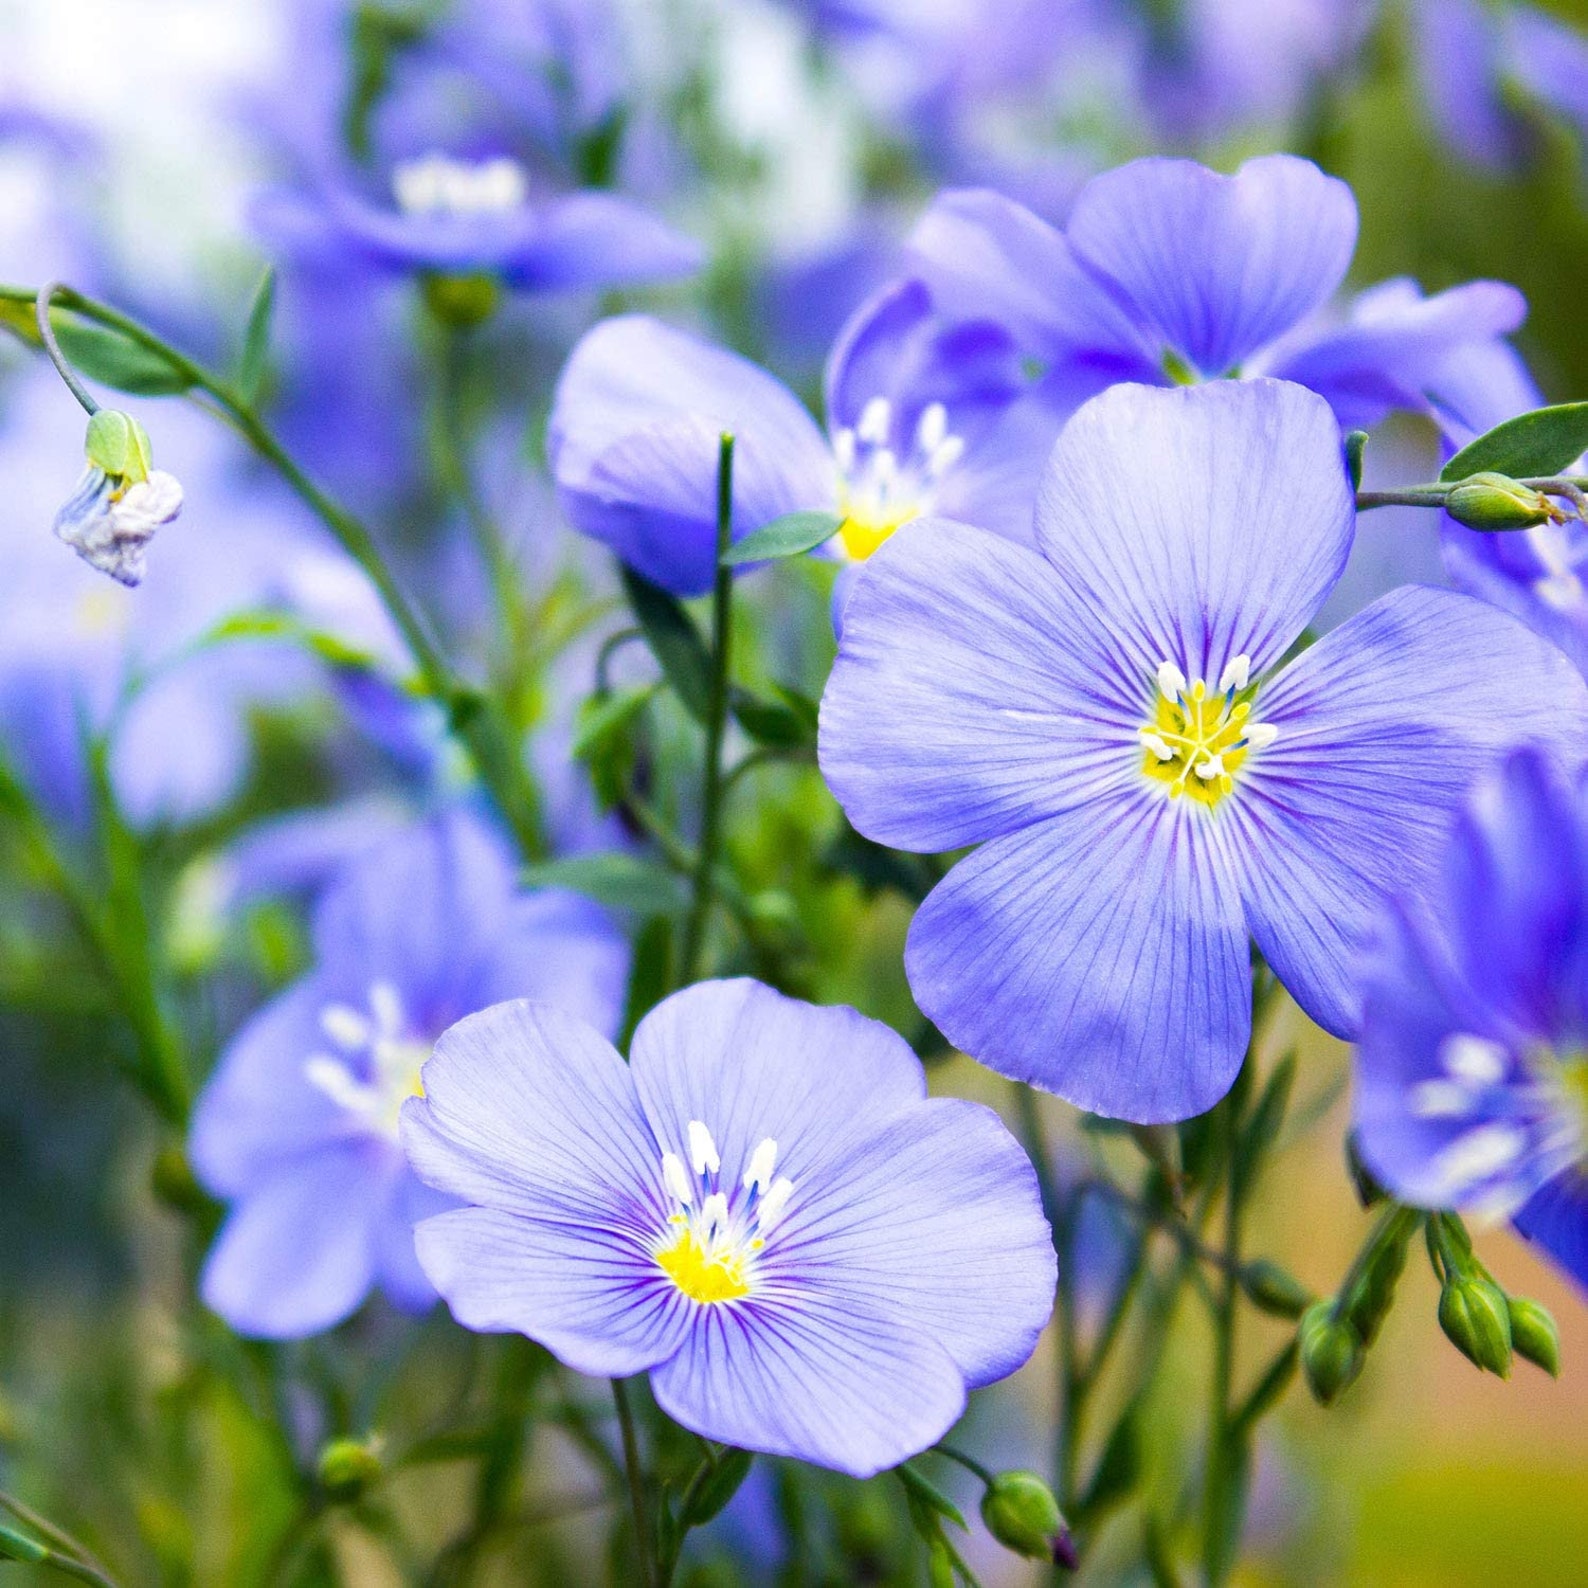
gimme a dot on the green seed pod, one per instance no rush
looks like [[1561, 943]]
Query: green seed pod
[[1331, 1352], [1534, 1336], [1476, 1318], [119, 445], [1497, 502], [18, 1546], [1021, 1513], [1269, 1287], [348, 1469]]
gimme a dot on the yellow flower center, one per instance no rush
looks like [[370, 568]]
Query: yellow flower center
[[889, 473], [714, 1237], [1197, 739]]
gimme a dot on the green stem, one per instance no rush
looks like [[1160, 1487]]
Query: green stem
[[644, 1540], [79, 1569], [716, 724], [1394, 1222], [1226, 1313], [968, 1462], [41, 313], [60, 1540], [500, 765]]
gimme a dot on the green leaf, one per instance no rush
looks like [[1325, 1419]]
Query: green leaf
[[1355, 445], [622, 882], [711, 1490], [789, 536], [650, 974], [117, 361], [927, 1495], [1118, 1468], [674, 640], [1530, 446], [256, 339], [1230, 1482], [772, 722], [602, 720]]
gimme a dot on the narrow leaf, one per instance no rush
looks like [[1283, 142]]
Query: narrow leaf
[[622, 882], [603, 720], [1529, 446], [256, 339], [927, 1495], [709, 1493], [771, 722], [789, 536], [117, 361], [674, 640]]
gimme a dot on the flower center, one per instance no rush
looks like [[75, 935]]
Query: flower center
[[436, 184], [1197, 740], [879, 489], [377, 1061], [713, 1237]]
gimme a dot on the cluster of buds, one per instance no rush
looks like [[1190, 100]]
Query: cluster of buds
[[120, 501], [1479, 1318]]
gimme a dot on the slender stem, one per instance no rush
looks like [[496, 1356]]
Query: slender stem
[[716, 723], [1409, 496], [1226, 1313], [41, 312], [1392, 1223], [968, 1462], [644, 1544], [79, 1569], [55, 1535], [500, 765]]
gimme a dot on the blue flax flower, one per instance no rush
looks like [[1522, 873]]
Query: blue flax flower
[[297, 1128], [1472, 1075], [1169, 272], [924, 414], [1105, 716], [763, 1210]]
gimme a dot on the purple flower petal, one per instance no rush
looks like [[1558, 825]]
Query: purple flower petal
[[634, 434], [595, 239], [1100, 955], [1556, 1219], [1216, 266], [1382, 727]]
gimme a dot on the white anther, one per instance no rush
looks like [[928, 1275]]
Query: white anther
[[932, 428], [876, 421], [1474, 1060], [714, 1214], [703, 1153], [1236, 672], [1171, 681], [885, 470], [758, 1176], [944, 456], [1258, 734], [345, 1026], [436, 184], [1477, 1155], [338, 1083], [676, 1178], [1211, 768], [774, 1204], [386, 1005], [1441, 1100], [844, 450], [1157, 744]]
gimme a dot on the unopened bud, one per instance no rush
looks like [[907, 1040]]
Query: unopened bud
[[1474, 1315], [1331, 1351], [1534, 1336], [1497, 502], [18, 1546], [119, 446], [347, 1469], [1269, 1287], [1021, 1513]]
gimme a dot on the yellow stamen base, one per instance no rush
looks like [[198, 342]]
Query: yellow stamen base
[[860, 536], [1205, 738], [719, 1276]]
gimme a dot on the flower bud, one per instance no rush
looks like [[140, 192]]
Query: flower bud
[[1474, 1315], [1331, 1351], [1269, 1287], [1534, 1336], [1497, 502], [18, 1546], [347, 1469], [1021, 1513], [119, 446]]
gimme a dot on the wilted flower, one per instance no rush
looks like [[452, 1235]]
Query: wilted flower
[[763, 1210], [298, 1126], [120, 501], [1472, 1071], [1102, 714], [924, 415], [1167, 272]]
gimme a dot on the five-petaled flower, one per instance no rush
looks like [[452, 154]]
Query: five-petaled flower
[[298, 1126], [1472, 1073], [1106, 716], [763, 1210]]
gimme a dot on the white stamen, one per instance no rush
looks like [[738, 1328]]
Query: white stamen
[[774, 1203], [703, 1153], [1171, 681], [1477, 1155], [1259, 734], [1236, 673], [885, 469], [714, 1213], [387, 1006], [758, 1176], [932, 428], [334, 1078], [676, 1178], [1441, 1100], [1157, 744], [345, 1026], [844, 450], [436, 184], [1475, 1060], [876, 421], [944, 456], [1211, 768]]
